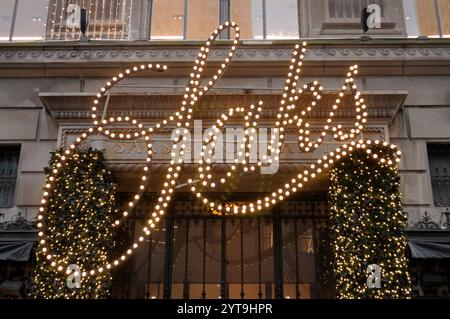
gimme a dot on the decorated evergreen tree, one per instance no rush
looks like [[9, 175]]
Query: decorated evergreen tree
[[78, 217], [368, 225]]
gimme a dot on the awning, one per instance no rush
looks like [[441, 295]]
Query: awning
[[15, 251], [429, 249]]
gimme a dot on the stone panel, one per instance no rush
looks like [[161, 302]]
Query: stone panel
[[48, 128], [430, 123], [22, 92], [398, 127], [18, 124], [422, 90], [34, 156], [29, 189], [414, 154], [416, 189]]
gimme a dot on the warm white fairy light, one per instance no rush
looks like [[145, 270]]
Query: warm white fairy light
[[287, 105], [182, 119]]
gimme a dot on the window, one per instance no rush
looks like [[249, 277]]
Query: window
[[248, 14], [9, 161], [266, 19], [30, 20], [281, 19], [6, 14], [108, 19], [342, 18], [167, 20], [202, 18], [27, 20], [427, 18], [439, 158], [350, 9]]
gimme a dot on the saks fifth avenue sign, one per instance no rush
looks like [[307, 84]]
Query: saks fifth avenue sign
[[226, 150]]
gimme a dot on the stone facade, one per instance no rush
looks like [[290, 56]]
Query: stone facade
[[46, 89]]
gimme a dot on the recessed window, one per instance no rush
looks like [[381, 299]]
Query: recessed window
[[439, 158], [281, 19], [350, 9], [167, 20], [107, 19], [30, 20], [427, 18], [248, 14], [202, 19], [6, 13], [269, 19], [9, 162]]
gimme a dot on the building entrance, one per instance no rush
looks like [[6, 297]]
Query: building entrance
[[283, 253]]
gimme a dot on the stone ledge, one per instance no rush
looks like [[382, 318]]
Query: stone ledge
[[186, 54], [73, 105]]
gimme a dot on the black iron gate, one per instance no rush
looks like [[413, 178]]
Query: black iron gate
[[194, 254]]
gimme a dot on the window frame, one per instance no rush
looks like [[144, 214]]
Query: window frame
[[350, 19], [14, 149], [13, 20], [434, 195], [224, 15]]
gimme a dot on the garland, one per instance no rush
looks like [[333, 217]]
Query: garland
[[368, 225], [79, 219]]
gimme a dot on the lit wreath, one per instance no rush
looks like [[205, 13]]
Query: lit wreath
[[183, 117]]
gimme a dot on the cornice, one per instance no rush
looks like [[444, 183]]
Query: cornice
[[75, 106], [253, 51]]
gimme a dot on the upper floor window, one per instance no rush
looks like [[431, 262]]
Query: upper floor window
[[22, 20], [9, 162], [195, 19], [25, 20], [427, 18], [107, 19], [184, 19], [6, 13], [350, 9], [281, 19], [439, 159], [167, 20]]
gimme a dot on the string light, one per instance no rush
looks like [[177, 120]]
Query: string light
[[183, 116], [182, 119], [367, 225], [79, 227]]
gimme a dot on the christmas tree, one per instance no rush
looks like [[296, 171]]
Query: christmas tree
[[78, 221], [368, 226]]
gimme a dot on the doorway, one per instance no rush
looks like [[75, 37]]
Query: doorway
[[283, 253]]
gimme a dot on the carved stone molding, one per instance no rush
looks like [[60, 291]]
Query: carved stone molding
[[124, 53]]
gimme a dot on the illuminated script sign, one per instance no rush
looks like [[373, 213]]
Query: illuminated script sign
[[292, 112]]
